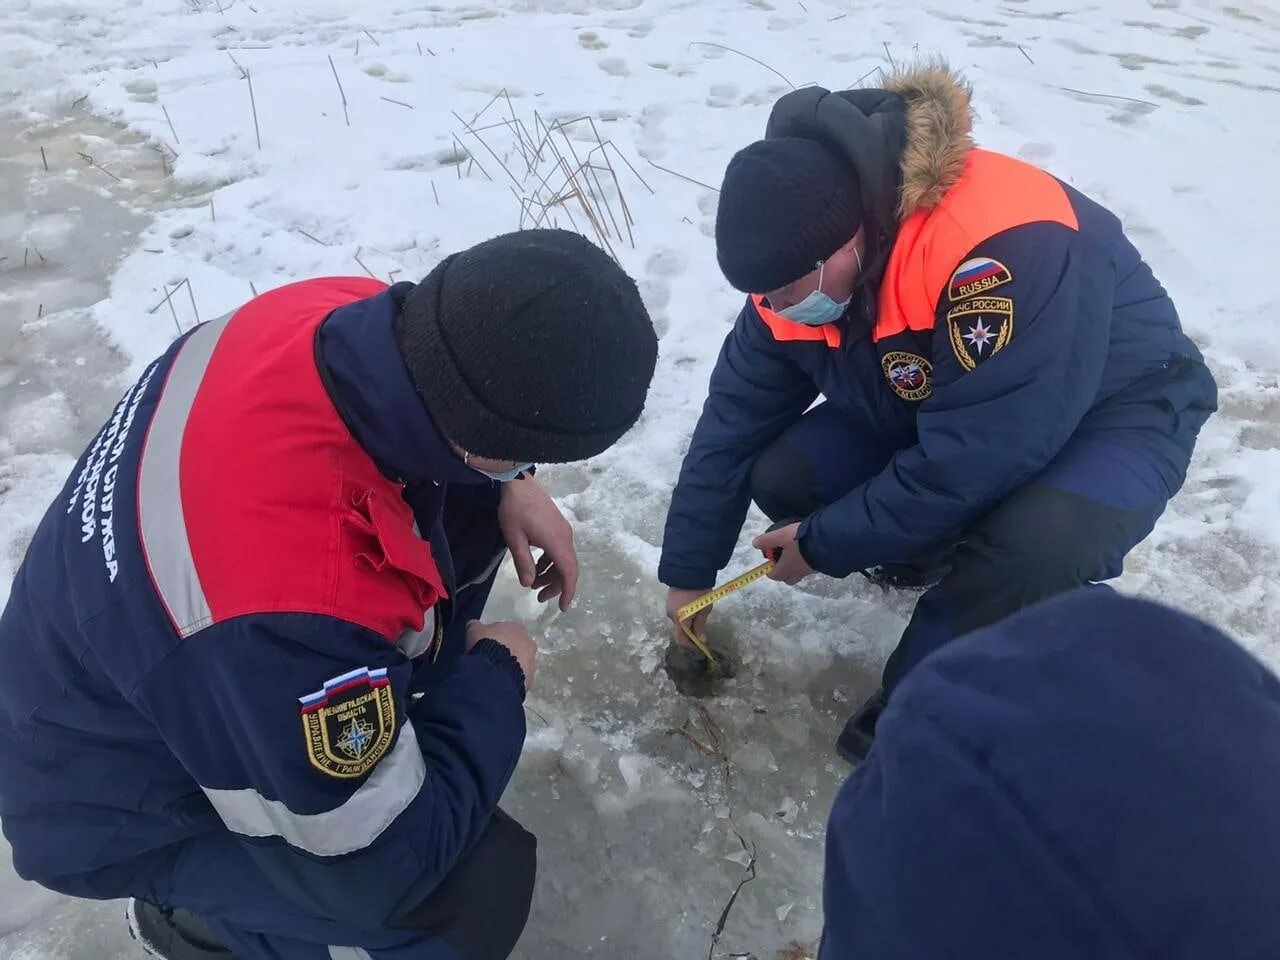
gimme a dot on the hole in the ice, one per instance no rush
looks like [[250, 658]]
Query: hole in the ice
[[693, 674]]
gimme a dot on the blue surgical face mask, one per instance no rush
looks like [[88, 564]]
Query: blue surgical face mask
[[817, 308], [503, 477]]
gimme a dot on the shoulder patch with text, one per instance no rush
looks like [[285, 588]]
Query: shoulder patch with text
[[979, 329], [977, 276], [349, 722], [908, 374]]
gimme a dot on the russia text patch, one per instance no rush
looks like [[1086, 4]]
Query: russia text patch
[[349, 723], [908, 374], [979, 329], [977, 276]]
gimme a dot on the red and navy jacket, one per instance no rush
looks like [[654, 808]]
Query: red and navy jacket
[[1012, 313], [233, 617]]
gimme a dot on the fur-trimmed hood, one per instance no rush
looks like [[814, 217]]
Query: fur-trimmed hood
[[938, 134], [908, 139]]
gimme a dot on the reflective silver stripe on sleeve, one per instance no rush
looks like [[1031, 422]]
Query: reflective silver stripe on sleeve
[[161, 523], [414, 643], [488, 571], [354, 825], [349, 953]]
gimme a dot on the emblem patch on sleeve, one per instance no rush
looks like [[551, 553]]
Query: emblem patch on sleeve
[[976, 276], [909, 375], [349, 723], [979, 329]]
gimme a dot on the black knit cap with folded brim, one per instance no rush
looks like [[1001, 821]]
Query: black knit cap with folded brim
[[533, 346], [786, 203]]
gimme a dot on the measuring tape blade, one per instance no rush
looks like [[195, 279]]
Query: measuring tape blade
[[697, 642], [722, 591]]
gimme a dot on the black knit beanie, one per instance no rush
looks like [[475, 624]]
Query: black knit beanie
[[785, 204], [532, 346]]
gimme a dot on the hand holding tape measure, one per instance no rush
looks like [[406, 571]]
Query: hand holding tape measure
[[779, 542], [785, 564]]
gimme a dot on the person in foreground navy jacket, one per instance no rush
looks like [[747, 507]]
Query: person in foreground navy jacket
[[1096, 778], [245, 679]]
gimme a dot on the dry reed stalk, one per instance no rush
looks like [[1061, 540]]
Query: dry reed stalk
[[169, 120], [485, 144], [680, 175], [254, 104], [362, 266], [191, 291], [172, 310], [342, 93], [97, 166], [708, 43]]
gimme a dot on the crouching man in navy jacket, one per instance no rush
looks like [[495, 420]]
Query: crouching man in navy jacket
[[245, 679], [1009, 397], [1095, 777]]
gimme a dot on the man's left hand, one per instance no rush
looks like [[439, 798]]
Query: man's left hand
[[529, 518], [790, 568]]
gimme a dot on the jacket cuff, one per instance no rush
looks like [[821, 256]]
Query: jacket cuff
[[837, 567], [686, 578], [502, 658]]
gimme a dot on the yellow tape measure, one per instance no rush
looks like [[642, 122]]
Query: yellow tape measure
[[724, 590], [686, 612]]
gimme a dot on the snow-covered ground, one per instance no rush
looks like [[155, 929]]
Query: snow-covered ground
[[239, 145]]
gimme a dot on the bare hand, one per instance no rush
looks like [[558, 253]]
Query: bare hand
[[514, 637], [790, 568], [529, 518], [676, 599]]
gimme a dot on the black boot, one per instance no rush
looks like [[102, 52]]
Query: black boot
[[924, 569], [904, 576], [859, 731], [173, 934]]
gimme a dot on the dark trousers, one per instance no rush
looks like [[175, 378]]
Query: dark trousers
[[476, 913], [1072, 525]]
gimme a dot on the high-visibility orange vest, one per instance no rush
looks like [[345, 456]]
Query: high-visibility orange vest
[[996, 193]]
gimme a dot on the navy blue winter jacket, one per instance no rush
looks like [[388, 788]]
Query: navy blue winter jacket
[[1007, 314], [1096, 777]]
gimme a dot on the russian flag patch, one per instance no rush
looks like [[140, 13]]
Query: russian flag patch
[[977, 276], [349, 723]]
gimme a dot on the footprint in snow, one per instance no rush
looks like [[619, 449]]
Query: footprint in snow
[[614, 66], [141, 90], [1167, 93], [676, 70], [666, 263], [655, 301], [591, 40], [382, 72], [722, 95], [1035, 152]]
